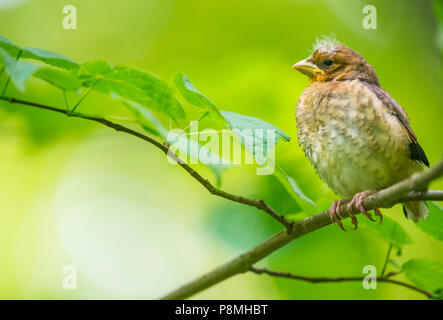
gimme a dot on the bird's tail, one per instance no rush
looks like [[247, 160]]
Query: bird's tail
[[417, 210]]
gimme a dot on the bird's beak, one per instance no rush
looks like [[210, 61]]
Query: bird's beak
[[307, 68]]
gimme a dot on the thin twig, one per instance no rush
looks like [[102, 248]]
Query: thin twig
[[386, 278], [259, 204]]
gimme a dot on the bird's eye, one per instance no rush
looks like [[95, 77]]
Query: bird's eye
[[328, 62]]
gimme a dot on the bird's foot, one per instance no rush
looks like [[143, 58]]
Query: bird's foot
[[335, 212], [357, 202]]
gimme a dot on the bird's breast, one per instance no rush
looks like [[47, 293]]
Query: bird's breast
[[352, 142]]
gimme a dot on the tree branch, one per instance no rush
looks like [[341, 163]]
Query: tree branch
[[385, 278], [259, 204], [400, 192], [411, 189]]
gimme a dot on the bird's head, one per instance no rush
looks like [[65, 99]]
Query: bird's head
[[332, 61]]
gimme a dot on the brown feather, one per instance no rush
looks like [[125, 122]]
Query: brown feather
[[417, 152], [354, 133]]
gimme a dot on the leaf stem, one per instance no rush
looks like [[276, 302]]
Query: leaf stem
[[198, 120], [6, 85], [385, 264], [1, 74], [8, 79], [65, 99], [84, 95]]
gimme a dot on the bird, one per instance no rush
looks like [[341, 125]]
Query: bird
[[357, 137]]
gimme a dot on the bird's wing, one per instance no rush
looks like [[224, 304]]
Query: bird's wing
[[417, 152]]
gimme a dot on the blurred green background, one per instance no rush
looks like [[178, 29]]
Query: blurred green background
[[134, 226]]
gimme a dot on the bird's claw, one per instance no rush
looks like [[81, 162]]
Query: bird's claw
[[354, 220], [378, 214], [336, 214], [357, 202]]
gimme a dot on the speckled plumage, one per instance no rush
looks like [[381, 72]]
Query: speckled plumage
[[351, 138], [353, 132]]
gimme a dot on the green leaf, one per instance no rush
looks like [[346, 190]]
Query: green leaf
[[45, 56], [192, 95], [308, 206], [18, 71], [433, 224], [218, 170], [49, 57], [147, 120], [58, 78], [187, 148], [257, 136], [389, 230], [132, 84], [161, 94], [9, 46], [94, 69], [425, 273], [438, 10], [191, 151]]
